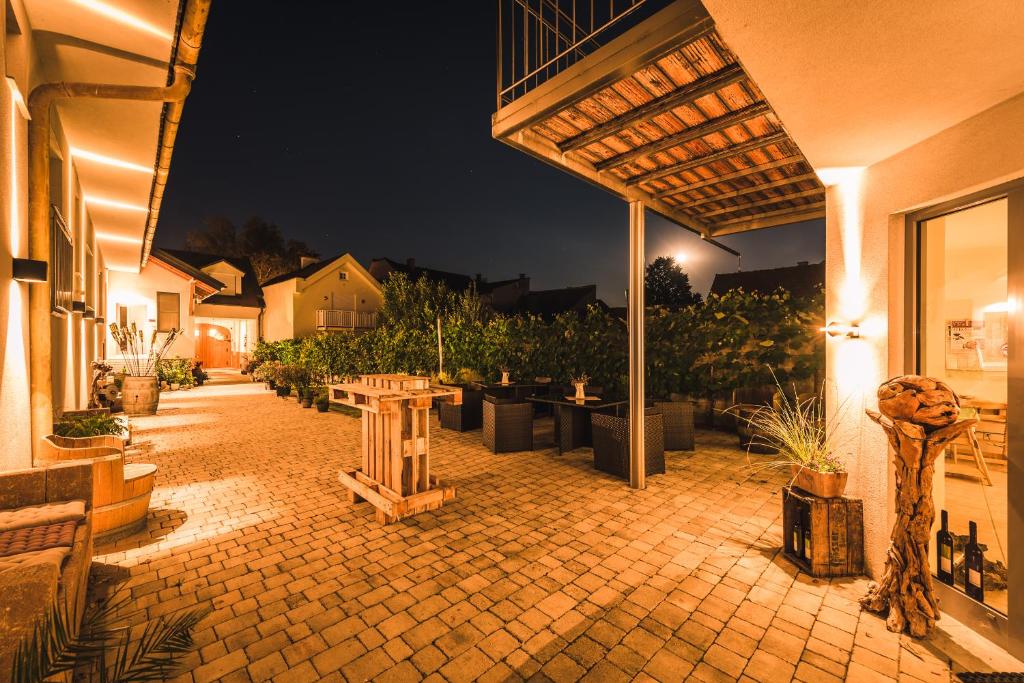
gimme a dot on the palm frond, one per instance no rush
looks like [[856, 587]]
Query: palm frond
[[108, 651]]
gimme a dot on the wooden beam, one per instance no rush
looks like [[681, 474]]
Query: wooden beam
[[750, 170], [682, 22], [637, 366], [806, 208], [708, 127], [731, 151], [683, 96], [540, 147], [791, 180], [817, 211], [765, 202]]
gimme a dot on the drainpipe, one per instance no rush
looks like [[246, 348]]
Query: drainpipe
[[40, 102]]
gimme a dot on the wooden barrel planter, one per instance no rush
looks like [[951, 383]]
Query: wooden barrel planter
[[140, 395], [120, 492]]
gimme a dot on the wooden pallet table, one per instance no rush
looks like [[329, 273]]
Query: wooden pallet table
[[395, 475]]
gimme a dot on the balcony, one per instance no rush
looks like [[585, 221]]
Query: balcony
[[334, 319]]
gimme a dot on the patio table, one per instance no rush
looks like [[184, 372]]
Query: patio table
[[572, 418], [519, 390], [395, 476]]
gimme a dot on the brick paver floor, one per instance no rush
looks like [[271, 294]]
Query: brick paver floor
[[541, 568]]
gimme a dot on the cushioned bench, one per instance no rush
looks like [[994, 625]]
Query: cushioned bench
[[45, 547]]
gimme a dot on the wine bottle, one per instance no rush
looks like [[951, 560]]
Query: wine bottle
[[806, 526], [974, 563], [944, 550], [798, 532]]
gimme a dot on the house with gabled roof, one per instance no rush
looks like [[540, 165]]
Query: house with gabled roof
[[331, 295], [214, 300]]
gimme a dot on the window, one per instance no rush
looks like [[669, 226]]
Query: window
[[62, 263], [168, 311], [342, 275]]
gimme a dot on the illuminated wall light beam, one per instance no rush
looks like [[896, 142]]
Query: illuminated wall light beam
[[111, 237], [110, 161], [120, 16], [114, 204], [853, 290]]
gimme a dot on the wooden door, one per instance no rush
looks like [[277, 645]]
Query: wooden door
[[213, 346]]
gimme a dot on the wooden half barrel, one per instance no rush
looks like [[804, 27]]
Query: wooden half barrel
[[140, 395]]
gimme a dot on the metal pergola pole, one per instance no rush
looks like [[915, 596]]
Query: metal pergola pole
[[637, 473]]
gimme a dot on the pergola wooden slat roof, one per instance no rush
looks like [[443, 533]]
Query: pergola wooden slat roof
[[666, 114]]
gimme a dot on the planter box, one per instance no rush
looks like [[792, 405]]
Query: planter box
[[835, 533]]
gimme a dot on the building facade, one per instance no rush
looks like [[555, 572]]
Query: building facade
[[82, 178]]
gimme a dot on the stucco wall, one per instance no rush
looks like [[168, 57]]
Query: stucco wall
[[130, 289], [865, 271], [278, 320], [15, 434]]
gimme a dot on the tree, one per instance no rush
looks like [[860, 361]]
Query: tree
[[259, 241], [666, 284]]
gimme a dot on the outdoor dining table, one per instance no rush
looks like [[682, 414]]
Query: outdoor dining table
[[572, 418], [519, 390]]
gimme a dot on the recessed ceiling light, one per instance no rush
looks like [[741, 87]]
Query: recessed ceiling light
[[119, 15], [100, 201], [109, 161]]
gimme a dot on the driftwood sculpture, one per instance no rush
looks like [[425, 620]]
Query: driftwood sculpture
[[919, 416]]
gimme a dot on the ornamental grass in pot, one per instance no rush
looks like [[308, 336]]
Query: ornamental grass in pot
[[140, 393], [803, 437]]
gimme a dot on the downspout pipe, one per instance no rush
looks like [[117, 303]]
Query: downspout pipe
[[40, 103]]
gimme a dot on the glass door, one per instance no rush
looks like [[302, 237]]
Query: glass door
[[969, 272]]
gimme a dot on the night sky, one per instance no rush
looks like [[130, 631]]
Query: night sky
[[360, 127]]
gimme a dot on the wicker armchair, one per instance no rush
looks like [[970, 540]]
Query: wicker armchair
[[508, 425], [678, 418], [611, 443], [465, 417]]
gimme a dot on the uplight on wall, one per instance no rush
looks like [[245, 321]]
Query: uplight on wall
[[29, 270], [837, 329]]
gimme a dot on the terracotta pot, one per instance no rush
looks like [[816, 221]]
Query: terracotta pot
[[821, 484], [140, 395]]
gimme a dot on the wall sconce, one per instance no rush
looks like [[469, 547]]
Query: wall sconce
[[78, 307], [90, 313], [100, 321], [29, 270], [836, 329]]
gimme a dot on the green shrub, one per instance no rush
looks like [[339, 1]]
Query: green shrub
[[90, 425]]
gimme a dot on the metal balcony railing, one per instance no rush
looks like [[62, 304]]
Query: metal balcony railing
[[334, 319], [537, 39]]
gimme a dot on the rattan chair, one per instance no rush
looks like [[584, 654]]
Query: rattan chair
[[611, 443], [465, 417], [678, 418], [508, 425]]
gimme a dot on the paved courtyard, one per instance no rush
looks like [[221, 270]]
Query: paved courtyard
[[542, 568]]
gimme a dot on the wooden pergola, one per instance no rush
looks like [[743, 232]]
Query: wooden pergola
[[665, 117]]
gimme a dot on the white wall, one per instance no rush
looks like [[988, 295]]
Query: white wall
[[279, 315], [15, 431], [865, 270], [131, 289]]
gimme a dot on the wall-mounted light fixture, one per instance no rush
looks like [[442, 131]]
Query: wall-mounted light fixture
[[78, 306], [29, 270], [100, 321], [836, 329], [90, 313]]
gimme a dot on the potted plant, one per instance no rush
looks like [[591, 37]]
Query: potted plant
[[323, 402], [140, 395], [803, 438]]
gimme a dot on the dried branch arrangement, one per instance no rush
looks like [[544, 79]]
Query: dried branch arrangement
[[138, 360], [920, 417]]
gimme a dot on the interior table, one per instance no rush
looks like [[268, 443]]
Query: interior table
[[572, 418], [517, 390]]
